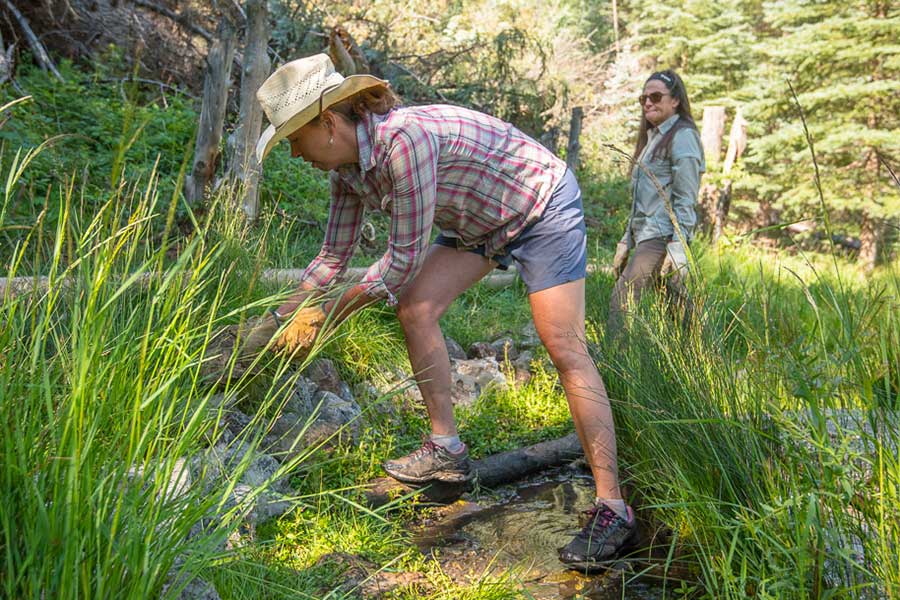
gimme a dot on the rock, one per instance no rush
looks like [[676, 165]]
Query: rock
[[229, 421], [177, 482], [470, 378], [529, 338], [504, 349], [324, 419], [196, 589], [455, 351], [365, 578], [323, 373], [482, 350], [522, 366], [216, 467], [335, 416]]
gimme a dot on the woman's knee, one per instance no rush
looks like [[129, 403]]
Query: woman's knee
[[568, 353], [418, 313]]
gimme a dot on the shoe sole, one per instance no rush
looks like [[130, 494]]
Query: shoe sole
[[442, 476], [596, 566]]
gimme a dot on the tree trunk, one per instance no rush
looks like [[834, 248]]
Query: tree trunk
[[711, 134], [490, 471], [244, 169], [615, 18], [574, 146], [346, 55], [737, 142], [212, 113], [869, 238]]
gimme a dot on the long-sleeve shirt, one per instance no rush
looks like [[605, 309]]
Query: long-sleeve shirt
[[678, 172], [473, 176]]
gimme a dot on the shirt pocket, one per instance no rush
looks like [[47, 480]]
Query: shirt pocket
[[661, 169]]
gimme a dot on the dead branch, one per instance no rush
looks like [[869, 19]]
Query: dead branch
[[162, 10], [37, 47], [490, 471]]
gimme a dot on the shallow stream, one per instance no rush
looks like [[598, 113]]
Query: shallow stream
[[518, 529]]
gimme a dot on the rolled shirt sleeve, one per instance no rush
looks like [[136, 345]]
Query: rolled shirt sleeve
[[411, 155], [345, 217]]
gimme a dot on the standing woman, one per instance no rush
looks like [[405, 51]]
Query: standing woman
[[496, 197], [669, 148]]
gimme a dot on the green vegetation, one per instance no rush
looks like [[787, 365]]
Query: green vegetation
[[764, 437]]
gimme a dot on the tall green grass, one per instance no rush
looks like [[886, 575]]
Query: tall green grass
[[724, 427], [102, 402]]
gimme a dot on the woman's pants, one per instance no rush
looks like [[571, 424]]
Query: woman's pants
[[642, 271]]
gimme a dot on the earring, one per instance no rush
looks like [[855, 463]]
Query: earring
[[331, 141]]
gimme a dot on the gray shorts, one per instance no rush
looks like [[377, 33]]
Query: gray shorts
[[550, 251]]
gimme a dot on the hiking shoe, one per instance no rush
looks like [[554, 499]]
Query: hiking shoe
[[429, 463], [605, 535]]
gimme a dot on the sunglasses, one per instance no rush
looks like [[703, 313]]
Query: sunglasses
[[654, 97]]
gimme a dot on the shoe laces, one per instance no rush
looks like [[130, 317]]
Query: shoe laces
[[428, 447], [599, 517]]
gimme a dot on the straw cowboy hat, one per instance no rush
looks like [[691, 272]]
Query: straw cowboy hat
[[298, 91]]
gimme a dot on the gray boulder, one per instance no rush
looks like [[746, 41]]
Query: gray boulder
[[455, 351], [471, 378], [216, 468]]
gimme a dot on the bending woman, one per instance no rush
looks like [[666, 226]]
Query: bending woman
[[668, 150], [496, 197]]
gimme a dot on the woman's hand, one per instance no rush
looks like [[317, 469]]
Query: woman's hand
[[620, 260], [676, 261], [302, 329]]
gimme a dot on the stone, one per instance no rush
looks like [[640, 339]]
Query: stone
[[455, 351], [324, 420], [482, 350], [196, 589], [522, 367], [504, 349], [325, 375], [471, 378], [216, 467], [529, 338]]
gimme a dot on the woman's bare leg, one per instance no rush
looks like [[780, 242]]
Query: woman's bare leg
[[445, 275], [559, 319]]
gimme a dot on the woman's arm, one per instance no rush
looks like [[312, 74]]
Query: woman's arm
[[345, 216], [687, 166]]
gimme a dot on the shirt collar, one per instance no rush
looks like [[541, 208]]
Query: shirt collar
[[667, 124], [365, 133]]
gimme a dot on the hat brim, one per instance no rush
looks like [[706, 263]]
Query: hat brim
[[350, 86]]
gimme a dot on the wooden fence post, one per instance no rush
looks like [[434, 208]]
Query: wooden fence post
[[737, 142], [244, 169], [711, 137], [574, 146], [212, 112]]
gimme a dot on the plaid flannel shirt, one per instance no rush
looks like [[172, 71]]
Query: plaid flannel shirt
[[475, 177]]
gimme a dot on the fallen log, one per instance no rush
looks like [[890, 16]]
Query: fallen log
[[490, 471], [17, 286]]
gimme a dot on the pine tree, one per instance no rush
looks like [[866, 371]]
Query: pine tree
[[843, 60]]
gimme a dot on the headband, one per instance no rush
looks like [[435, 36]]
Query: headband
[[666, 79]]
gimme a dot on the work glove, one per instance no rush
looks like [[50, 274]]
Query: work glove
[[302, 329], [620, 260], [675, 264]]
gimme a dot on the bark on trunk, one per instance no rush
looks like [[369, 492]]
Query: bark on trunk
[[491, 471], [212, 113], [244, 169], [346, 55], [711, 135], [574, 146], [869, 235], [737, 142]]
